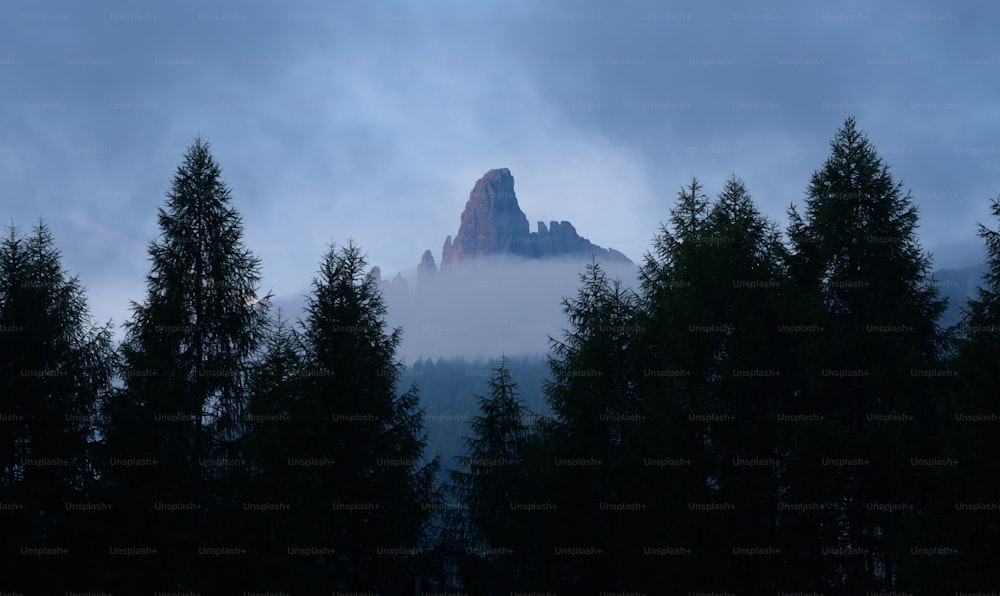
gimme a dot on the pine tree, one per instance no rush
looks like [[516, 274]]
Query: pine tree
[[186, 352], [677, 368], [745, 289], [274, 390], [711, 361], [674, 284], [975, 481], [359, 483], [591, 462], [856, 258], [492, 524], [57, 367]]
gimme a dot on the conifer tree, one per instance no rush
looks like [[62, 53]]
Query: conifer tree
[[274, 388], [186, 352], [675, 368], [57, 367], [359, 482], [711, 361], [856, 257], [590, 449], [974, 522], [493, 521], [746, 289]]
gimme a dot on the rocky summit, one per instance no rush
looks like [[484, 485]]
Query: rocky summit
[[426, 269], [493, 224]]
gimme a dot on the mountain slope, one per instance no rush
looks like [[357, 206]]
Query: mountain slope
[[493, 224]]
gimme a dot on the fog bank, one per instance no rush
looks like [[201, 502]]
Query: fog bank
[[498, 306]]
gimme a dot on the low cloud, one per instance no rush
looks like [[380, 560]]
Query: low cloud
[[507, 306]]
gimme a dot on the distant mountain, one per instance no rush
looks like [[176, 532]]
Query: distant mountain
[[493, 224], [958, 285]]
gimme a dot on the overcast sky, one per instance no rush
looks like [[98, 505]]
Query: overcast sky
[[372, 120]]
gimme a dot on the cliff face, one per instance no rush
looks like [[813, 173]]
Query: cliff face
[[560, 238], [493, 224], [426, 270]]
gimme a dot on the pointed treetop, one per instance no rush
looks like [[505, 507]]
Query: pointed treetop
[[692, 205]]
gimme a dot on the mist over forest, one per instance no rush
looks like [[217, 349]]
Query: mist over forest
[[500, 305], [532, 298], [793, 405]]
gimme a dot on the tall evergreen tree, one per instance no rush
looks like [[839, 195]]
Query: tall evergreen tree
[[358, 481], [677, 366], [492, 524], [856, 257], [56, 368], [711, 360], [745, 288], [187, 348], [975, 481], [274, 390], [590, 471]]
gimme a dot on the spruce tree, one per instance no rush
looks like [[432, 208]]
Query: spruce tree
[[57, 367], [868, 373], [591, 447], [274, 388], [359, 482], [745, 288], [711, 359], [493, 520], [186, 353], [674, 369], [974, 522]]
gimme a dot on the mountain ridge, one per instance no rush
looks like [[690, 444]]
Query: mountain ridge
[[493, 224]]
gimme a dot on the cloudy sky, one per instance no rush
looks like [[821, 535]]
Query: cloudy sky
[[372, 120]]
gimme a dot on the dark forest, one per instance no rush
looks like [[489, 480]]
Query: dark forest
[[767, 411]]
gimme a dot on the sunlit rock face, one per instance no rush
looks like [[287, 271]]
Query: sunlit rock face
[[493, 224]]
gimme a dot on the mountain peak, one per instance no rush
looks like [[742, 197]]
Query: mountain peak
[[493, 224], [426, 269], [497, 174]]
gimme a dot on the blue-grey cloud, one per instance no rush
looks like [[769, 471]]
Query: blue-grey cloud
[[372, 121]]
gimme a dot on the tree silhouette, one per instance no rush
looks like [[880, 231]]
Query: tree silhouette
[[490, 528], [186, 352], [855, 256], [57, 367]]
